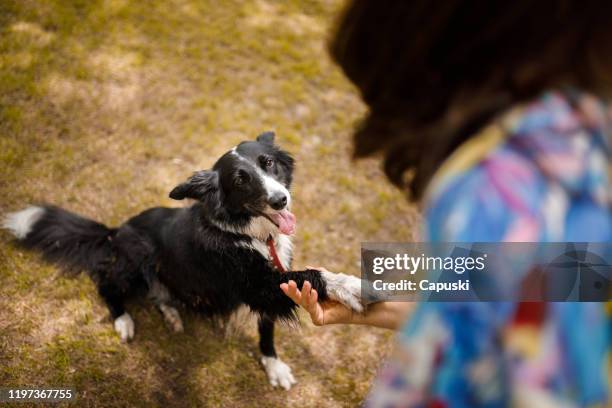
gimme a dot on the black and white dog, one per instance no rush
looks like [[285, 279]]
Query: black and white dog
[[231, 248]]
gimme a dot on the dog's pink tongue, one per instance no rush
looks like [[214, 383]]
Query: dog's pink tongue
[[286, 222]]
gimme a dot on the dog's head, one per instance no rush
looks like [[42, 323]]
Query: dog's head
[[250, 181]]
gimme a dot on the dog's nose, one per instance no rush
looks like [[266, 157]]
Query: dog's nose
[[278, 201]]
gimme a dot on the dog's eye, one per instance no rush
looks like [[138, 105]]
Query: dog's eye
[[266, 162]]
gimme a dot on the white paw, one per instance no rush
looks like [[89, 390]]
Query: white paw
[[278, 372], [345, 289], [172, 318], [124, 326]]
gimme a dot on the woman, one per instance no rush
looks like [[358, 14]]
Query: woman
[[493, 116]]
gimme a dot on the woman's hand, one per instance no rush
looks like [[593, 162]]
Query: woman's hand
[[328, 312], [388, 315]]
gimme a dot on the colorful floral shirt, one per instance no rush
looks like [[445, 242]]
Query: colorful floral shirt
[[539, 173]]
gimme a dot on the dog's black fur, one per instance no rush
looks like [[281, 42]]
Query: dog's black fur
[[208, 255]]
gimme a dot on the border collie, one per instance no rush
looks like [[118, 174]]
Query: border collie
[[232, 247]]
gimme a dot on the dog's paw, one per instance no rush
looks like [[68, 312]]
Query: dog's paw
[[278, 372], [345, 289], [172, 318], [124, 326]]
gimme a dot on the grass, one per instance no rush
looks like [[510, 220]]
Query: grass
[[104, 107]]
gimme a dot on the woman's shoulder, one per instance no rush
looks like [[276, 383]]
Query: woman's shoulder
[[520, 177]]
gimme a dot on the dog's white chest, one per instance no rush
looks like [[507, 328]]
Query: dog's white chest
[[284, 249]]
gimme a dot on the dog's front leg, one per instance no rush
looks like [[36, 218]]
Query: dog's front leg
[[266, 297], [279, 373]]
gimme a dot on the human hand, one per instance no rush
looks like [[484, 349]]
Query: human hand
[[328, 312], [388, 315]]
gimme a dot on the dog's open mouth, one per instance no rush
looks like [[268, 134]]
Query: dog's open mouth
[[284, 221]]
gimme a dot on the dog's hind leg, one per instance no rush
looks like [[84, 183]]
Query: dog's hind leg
[[122, 321], [172, 317], [278, 372], [159, 294]]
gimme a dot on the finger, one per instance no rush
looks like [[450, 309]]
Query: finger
[[292, 285], [305, 295], [313, 297], [294, 294], [292, 288], [307, 302], [288, 292]]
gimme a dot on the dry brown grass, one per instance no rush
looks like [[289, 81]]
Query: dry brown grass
[[104, 107]]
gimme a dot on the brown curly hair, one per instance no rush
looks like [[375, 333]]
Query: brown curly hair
[[432, 73]]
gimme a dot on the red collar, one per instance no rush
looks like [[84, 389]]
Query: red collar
[[275, 259]]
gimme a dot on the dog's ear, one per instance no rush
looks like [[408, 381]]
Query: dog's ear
[[266, 138], [199, 186]]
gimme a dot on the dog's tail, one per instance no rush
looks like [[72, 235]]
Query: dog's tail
[[64, 238]]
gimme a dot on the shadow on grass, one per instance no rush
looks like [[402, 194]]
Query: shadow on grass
[[208, 364]]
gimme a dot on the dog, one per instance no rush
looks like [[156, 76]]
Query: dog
[[232, 247]]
